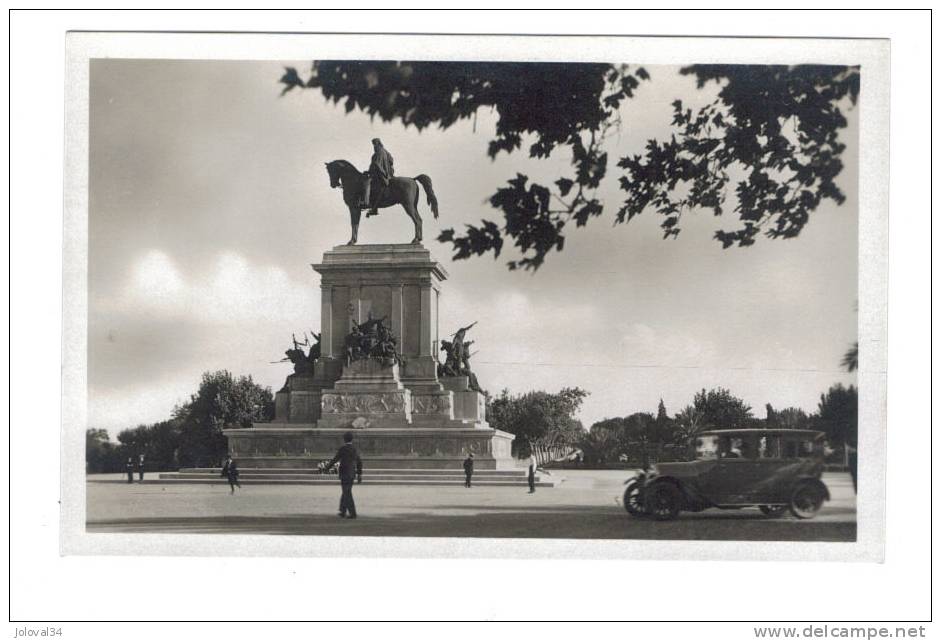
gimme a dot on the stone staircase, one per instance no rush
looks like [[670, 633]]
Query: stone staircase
[[300, 476]]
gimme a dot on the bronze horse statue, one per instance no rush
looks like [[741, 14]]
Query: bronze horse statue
[[401, 191]]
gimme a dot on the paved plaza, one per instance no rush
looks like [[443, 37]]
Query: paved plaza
[[586, 504]]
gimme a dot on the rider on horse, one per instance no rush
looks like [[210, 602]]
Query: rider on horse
[[377, 178]]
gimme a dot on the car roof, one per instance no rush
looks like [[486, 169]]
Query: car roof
[[765, 431]]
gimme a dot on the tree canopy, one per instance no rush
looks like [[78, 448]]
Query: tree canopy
[[837, 414], [543, 422], [770, 138], [719, 409], [221, 401]]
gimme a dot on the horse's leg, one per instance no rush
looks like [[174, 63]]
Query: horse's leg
[[354, 223], [411, 208]]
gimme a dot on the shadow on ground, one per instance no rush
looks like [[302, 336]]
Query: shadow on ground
[[557, 522]]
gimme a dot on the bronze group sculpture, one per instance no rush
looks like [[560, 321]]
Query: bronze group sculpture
[[303, 363], [372, 339], [457, 358], [380, 188]]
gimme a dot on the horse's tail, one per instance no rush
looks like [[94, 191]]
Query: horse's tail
[[425, 182]]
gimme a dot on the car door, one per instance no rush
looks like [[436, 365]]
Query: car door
[[775, 467], [733, 480]]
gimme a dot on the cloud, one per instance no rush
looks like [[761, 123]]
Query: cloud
[[642, 345], [149, 343], [232, 291]]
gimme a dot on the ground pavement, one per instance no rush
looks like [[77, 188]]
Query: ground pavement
[[586, 504]]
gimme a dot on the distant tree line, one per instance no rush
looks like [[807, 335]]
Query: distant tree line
[[544, 423], [192, 436]]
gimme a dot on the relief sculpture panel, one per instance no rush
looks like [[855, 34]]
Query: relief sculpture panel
[[378, 403]]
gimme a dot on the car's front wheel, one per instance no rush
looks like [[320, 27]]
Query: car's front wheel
[[772, 510], [663, 501], [634, 498], [806, 501]]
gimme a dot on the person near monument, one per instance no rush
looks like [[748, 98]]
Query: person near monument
[[351, 468], [230, 470], [129, 468], [468, 469], [532, 464], [380, 173], [140, 468]]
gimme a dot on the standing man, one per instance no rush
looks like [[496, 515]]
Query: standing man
[[230, 470], [351, 466], [468, 469], [380, 173], [140, 468], [129, 468], [532, 472]]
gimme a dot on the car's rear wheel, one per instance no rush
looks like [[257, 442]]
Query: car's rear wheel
[[663, 501], [806, 501], [772, 510], [634, 498]]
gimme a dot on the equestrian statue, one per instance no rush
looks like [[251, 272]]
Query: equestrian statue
[[379, 188]]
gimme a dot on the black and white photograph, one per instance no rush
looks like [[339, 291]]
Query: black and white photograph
[[628, 291], [513, 298]]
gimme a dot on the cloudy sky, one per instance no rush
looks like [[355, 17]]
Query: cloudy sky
[[209, 201]]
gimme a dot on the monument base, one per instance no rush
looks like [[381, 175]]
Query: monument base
[[273, 445]]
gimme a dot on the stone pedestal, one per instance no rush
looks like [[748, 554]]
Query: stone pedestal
[[399, 282], [369, 394], [299, 401], [402, 416], [469, 405]]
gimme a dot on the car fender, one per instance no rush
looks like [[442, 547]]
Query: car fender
[[688, 496], [820, 485], [640, 477]]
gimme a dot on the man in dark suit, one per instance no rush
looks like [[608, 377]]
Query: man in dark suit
[[230, 471], [351, 467], [468, 469]]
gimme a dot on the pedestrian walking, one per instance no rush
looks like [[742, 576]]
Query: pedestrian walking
[[351, 467], [230, 470], [468, 469], [129, 468], [532, 473], [140, 468]]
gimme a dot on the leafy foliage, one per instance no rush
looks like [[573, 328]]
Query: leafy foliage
[[221, 401], [193, 436], [719, 409], [850, 360], [101, 455], [790, 418], [837, 414], [776, 126], [772, 130], [159, 443], [688, 422], [542, 422]]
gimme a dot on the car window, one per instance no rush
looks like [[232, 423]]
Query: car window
[[732, 447], [707, 447], [749, 447], [769, 447], [806, 448]]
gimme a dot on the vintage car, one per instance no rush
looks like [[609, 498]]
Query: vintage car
[[772, 469]]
